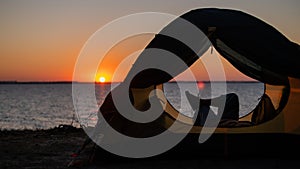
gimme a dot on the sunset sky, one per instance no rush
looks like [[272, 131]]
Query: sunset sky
[[41, 39]]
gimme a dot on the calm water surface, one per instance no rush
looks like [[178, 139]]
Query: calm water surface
[[42, 106]]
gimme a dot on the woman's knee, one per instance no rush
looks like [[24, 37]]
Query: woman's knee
[[232, 97]]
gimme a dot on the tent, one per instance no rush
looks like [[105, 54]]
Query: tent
[[251, 45], [254, 47]]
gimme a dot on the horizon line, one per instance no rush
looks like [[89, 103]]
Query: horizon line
[[68, 82]]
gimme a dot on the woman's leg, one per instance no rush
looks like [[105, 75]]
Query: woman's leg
[[202, 115], [231, 109]]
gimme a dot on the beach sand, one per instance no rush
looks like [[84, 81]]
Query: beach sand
[[53, 149]]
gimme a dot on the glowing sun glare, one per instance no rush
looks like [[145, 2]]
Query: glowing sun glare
[[102, 79]]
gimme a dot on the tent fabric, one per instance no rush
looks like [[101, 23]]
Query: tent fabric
[[251, 45], [151, 76]]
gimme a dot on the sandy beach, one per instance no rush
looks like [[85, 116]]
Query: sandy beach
[[40, 148], [53, 148]]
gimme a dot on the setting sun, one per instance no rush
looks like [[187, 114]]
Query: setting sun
[[102, 79]]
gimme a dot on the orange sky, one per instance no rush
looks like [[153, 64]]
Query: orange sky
[[41, 40], [123, 50]]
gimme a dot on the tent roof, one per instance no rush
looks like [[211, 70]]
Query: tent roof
[[251, 45]]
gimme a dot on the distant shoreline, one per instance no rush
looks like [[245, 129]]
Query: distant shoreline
[[36, 82], [70, 82]]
